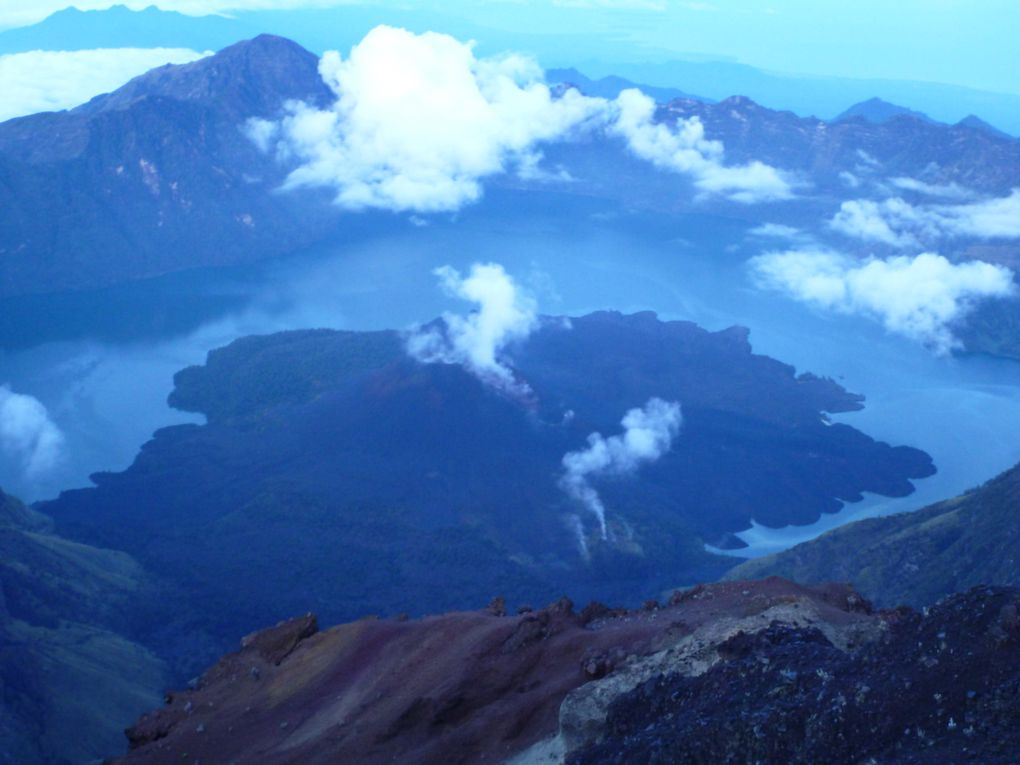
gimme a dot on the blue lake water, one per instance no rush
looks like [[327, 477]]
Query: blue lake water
[[103, 363]]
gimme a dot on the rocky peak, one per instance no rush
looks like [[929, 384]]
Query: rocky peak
[[469, 686], [938, 687], [249, 78], [877, 111]]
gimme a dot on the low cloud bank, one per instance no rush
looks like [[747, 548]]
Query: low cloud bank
[[917, 297], [27, 434], [887, 222], [419, 122], [505, 314], [686, 150], [648, 433], [988, 219], [41, 81], [898, 223], [939, 190]]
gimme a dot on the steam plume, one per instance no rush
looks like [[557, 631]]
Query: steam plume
[[648, 433], [27, 434], [505, 313]]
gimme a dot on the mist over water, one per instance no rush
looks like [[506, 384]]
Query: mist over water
[[103, 363]]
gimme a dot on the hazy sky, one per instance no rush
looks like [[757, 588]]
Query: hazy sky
[[965, 42]]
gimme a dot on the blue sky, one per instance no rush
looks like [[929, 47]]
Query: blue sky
[[964, 42]]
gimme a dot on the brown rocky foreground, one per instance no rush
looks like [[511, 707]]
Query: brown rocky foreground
[[466, 687]]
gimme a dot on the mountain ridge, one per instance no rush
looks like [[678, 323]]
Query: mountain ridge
[[877, 111], [120, 27], [918, 557], [717, 673], [132, 175], [66, 634], [461, 687], [820, 95], [157, 176]]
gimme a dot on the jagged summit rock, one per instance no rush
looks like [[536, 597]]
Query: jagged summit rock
[[941, 687], [467, 687], [251, 78]]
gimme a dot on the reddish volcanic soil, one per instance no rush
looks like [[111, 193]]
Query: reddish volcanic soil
[[458, 688]]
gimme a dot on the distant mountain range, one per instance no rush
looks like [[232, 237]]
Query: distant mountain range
[[120, 27], [158, 176], [610, 86], [917, 557], [877, 111], [824, 97], [321, 29], [900, 144]]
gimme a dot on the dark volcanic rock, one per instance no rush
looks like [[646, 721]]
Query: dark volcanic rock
[[277, 643], [940, 688]]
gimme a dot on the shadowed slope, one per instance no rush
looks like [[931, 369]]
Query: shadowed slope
[[917, 557]]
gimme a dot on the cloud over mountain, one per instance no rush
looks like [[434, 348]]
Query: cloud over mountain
[[918, 297], [419, 122], [687, 151], [40, 81]]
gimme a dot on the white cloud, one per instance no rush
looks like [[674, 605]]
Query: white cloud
[[686, 150], [898, 223], [505, 314], [27, 434], [262, 133], [419, 121], [778, 231], [849, 179], [918, 297], [988, 219], [41, 81], [884, 222], [940, 190], [648, 433]]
